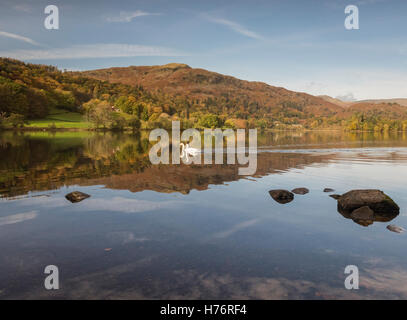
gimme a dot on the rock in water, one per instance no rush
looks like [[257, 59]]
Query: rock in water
[[282, 196], [363, 213], [300, 191], [335, 196], [76, 196], [394, 228], [376, 200], [328, 190]]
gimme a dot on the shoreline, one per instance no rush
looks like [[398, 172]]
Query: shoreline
[[45, 129]]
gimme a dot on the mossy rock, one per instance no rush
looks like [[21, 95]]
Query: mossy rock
[[376, 200], [76, 196]]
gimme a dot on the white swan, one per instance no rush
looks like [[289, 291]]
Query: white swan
[[186, 151], [190, 150]]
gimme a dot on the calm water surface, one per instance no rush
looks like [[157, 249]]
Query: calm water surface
[[197, 232]]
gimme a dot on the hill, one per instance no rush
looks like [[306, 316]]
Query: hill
[[400, 101], [34, 90], [213, 92], [343, 104], [152, 96]]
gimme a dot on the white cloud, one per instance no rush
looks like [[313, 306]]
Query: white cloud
[[343, 3], [18, 37], [102, 50], [367, 2], [235, 27], [362, 83], [22, 7], [125, 16], [346, 97]]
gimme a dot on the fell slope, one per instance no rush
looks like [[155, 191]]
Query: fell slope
[[217, 92]]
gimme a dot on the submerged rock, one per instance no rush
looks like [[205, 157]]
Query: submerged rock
[[395, 228], [76, 196], [300, 191], [282, 196], [328, 190], [335, 196]]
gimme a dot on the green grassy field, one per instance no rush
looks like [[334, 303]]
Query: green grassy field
[[61, 119]]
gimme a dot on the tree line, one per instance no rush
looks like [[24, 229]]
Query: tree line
[[31, 91]]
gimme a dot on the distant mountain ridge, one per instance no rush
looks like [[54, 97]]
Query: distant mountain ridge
[[336, 101], [400, 101]]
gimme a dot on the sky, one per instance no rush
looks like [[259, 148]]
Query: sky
[[301, 45]]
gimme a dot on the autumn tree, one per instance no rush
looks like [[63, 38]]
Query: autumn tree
[[134, 123], [101, 115], [15, 120], [210, 121]]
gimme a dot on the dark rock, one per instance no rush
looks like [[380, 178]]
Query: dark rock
[[76, 196], [328, 190], [282, 196], [362, 213], [376, 200], [367, 206], [300, 191], [335, 196], [394, 228]]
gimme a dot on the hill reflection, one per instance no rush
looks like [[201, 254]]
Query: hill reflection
[[45, 161]]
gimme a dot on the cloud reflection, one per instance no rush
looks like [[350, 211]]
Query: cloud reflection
[[240, 226], [17, 218], [125, 205]]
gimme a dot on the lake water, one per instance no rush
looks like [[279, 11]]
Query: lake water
[[195, 231]]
